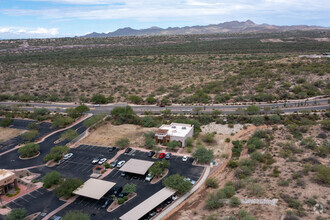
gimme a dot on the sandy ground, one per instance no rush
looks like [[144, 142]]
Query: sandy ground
[[8, 133], [108, 134], [221, 129]]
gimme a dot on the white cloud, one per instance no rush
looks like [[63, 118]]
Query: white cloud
[[24, 32]]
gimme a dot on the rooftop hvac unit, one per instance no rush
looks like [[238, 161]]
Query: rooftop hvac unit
[[183, 127], [173, 126]]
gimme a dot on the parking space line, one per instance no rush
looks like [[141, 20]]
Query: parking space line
[[24, 199], [29, 194]]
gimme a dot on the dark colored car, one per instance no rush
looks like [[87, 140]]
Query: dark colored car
[[151, 153], [161, 155], [162, 105], [122, 195], [123, 174], [114, 163], [117, 190], [152, 213], [128, 150], [168, 156], [107, 203], [112, 148], [168, 201]]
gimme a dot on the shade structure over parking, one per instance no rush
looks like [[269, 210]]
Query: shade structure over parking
[[94, 188], [152, 202], [137, 166]]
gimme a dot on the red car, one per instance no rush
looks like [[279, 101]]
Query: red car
[[161, 155]]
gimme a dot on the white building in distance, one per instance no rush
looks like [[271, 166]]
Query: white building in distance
[[174, 132]]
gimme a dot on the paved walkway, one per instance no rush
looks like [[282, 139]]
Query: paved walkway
[[185, 196]]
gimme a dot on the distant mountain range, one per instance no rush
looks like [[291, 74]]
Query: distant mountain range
[[226, 27]]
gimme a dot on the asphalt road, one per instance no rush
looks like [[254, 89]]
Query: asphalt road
[[11, 160], [289, 106], [44, 128]]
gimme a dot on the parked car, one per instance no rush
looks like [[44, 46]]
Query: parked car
[[128, 150], [112, 148], [122, 195], [114, 163], [102, 161], [169, 201], [151, 153], [67, 156], [168, 156], [162, 105], [95, 160], [121, 163], [161, 155], [190, 180], [152, 213], [185, 158], [116, 190], [107, 203], [159, 209], [174, 197], [149, 177], [123, 174], [59, 162]]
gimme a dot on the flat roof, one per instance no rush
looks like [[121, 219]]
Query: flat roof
[[94, 188], [148, 204], [5, 173], [177, 129], [137, 166]]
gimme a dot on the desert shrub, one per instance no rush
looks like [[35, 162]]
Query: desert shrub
[[203, 155], [30, 135], [5, 122], [211, 182], [209, 137], [148, 122], [234, 201], [325, 124], [283, 182], [69, 134], [308, 143], [76, 215], [122, 143], [213, 202], [322, 174]]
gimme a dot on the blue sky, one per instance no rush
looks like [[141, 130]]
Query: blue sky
[[58, 18]]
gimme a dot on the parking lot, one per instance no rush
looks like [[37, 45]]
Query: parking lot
[[39, 200], [144, 189]]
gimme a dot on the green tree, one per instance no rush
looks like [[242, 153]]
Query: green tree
[[29, 150], [56, 153], [60, 121], [30, 135], [189, 142], [33, 126], [122, 115], [209, 137], [151, 100], [173, 144], [82, 108], [67, 187], [135, 99], [158, 167], [148, 122], [51, 178], [5, 122], [150, 143], [76, 215], [203, 155], [69, 134], [99, 99], [122, 143], [129, 188], [177, 183], [16, 214]]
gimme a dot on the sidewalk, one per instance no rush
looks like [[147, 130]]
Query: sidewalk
[[185, 196]]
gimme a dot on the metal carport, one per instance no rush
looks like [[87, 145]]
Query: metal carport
[[137, 166], [94, 188], [147, 205]]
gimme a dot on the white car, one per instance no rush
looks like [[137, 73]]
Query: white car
[[101, 161], [149, 177], [67, 156], [190, 180], [95, 160], [174, 197], [185, 158], [121, 163]]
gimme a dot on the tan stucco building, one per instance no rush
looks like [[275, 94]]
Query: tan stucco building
[[6, 179]]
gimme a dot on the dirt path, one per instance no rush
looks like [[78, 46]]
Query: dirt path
[[196, 203]]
